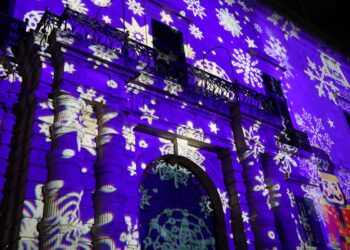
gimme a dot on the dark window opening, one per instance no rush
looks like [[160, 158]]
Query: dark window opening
[[347, 117], [168, 42]]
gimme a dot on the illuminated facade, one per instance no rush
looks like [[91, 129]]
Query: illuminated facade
[[190, 124]]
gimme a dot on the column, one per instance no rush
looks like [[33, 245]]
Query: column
[[109, 170], [280, 203], [261, 216], [61, 224]]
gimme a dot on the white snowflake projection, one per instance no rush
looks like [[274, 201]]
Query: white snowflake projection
[[310, 167], [135, 7], [172, 86], [103, 53], [90, 94], [246, 66], [315, 194], [212, 68], [258, 28], [244, 6], [166, 18], [252, 140], [148, 114], [250, 42], [213, 127], [327, 76], [102, 3], [184, 149], [287, 27], [176, 228], [139, 33], [229, 22], [145, 197], [206, 207], [344, 181], [274, 48], [107, 19], [130, 138], [224, 200], [317, 132], [189, 52], [76, 5], [89, 122], [245, 217], [196, 32], [230, 2], [196, 8], [262, 187], [130, 237], [69, 68], [176, 173], [33, 17], [284, 157], [112, 84]]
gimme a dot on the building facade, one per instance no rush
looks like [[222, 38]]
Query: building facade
[[192, 124]]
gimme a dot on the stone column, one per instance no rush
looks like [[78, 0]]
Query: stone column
[[280, 203], [261, 216], [61, 224], [109, 171]]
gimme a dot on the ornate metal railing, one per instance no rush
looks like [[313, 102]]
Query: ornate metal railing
[[11, 30], [85, 27]]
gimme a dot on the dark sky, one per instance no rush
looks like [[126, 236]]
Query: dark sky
[[331, 17]]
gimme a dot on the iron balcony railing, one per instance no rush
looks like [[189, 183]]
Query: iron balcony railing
[[97, 32]]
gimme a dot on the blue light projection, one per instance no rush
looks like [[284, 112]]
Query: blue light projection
[[106, 142]]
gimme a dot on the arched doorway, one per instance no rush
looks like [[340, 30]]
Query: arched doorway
[[180, 207]]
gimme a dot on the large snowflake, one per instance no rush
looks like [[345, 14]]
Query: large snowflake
[[317, 132], [195, 7], [252, 140], [327, 76], [274, 48], [139, 33], [344, 181], [196, 32], [229, 22], [76, 5], [245, 65]]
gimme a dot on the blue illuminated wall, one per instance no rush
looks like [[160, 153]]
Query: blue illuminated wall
[[98, 150]]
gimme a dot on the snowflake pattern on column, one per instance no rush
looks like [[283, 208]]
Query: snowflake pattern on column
[[131, 237], [224, 200], [229, 22], [344, 181], [262, 187], [196, 8], [274, 48], [317, 132], [284, 157], [243, 62], [252, 140], [178, 229], [327, 75]]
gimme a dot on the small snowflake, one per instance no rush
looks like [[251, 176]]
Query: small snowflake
[[148, 114], [224, 200], [172, 87], [112, 84], [189, 52], [330, 123], [250, 42], [258, 28], [229, 22], [135, 7], [166, 18], [107, 19], [245, 217], [196, 8], [213, 127], [196, 32], [252, 140]]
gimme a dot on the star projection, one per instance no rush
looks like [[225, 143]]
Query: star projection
[[227, 130]]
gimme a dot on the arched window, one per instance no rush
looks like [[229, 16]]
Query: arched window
[[180, 207]]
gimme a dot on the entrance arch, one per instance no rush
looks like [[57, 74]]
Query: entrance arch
[[180, 207]]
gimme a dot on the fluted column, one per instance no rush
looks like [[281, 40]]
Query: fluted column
[[262, 218], [280, 203], [61, 224], [109, 171]]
